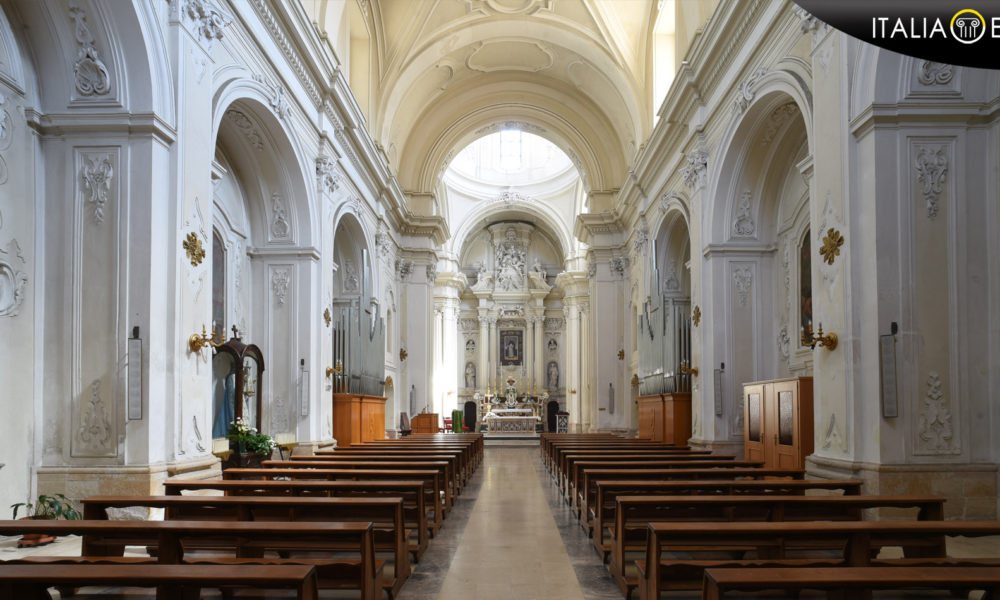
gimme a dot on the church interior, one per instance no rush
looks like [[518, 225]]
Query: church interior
[[505, 229]]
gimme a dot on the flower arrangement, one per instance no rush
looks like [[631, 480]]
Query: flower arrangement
[[244, 438]]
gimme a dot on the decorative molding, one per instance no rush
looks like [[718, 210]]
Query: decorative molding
[[591, 268], [833, 437], [696, 315], [276, 96], [932, 168], [327, 174], [935, 432], [431, 273], [832, 242], [245, 125], [207, 20], [743, 225], [490, 7], [641, 239], [89, 71], [327, 318], [619, 266], [6, 124], [935, 73], [671, 283], [784, 342], [352, 282], [809, 24], [95, 427], [776, 120], [404, 268], [97, 173], [291, 54], [519, 125], [745, 92], [510, 197], [279, 284], [543, 57], [279, 414], [193, 248], [554, 324], [279, 217], [697, 166], [468, 325], [743, 279], [198, 440], [12, 282]]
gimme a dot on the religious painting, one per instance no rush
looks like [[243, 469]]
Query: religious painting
[[511, 347]]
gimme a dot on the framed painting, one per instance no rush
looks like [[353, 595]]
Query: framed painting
[[511, 347]]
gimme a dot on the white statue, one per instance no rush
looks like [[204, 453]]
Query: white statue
[[470, 375]]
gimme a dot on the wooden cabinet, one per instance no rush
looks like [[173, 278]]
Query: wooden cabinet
[[665, 418], [424, 423], [358, 418], [778, 422]]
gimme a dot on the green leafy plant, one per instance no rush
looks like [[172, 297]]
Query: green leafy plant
[[246, 438], [56, 506]]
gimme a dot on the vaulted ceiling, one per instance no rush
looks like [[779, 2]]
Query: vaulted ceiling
[[445, 72]]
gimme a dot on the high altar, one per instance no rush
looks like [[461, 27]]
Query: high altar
[[510, 413]]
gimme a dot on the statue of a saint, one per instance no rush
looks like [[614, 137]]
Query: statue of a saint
[[470, 375], [552, 382]]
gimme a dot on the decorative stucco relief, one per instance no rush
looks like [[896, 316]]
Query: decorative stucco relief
[[206, 19], [94, 432], [743, 224], [279, 284], [776, 120], [743, 280], [275, 96], [936, 431], [97, 173], [834, 437], [696, 169], [327, 174], [246, 126], [279, 217], [784, 342], [745, 92], [935, 73], [90, 74], [932, 168]]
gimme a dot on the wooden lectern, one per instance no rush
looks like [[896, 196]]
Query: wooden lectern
[[424, 423]]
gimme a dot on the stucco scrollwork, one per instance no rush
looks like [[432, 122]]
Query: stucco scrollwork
[[245, 125], [935, 431], [935, 73], [207, 20], [279, 217], [276, 96], [97, 173], [696, 168], [95, 427], [746, 92], [784, 342], [89, 71], [12, 282], [327, 174], [932, 168]]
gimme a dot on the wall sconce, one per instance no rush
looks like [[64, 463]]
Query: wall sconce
[[335, 370], [196, 342], [621, 354], [829, 340], [687, 369]]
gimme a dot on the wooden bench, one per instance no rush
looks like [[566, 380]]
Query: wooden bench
[[443, 467], [634, 513], [386, 514], [851, 543], [602, 513], [412, 493], [586, 496], [656, 462], [173, 582], [851, 582], [434, 488], [567, 459], [456, 457], [246, 539], [557, 449], [470, 444]]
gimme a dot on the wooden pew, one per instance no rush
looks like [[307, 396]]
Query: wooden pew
[[451, 471], [854, 542], [247, 539], [434, 487], [174, 582], [586, 495], [556, 449], [386, 514], [654, 462], [456, 457], [472, 443], [634, 513], [568, 457], [471, 452], [852, 582], [412, 493], [602, 513]]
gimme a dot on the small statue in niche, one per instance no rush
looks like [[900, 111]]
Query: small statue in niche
[[553, 345], [470, 346], [470, 375], [552, 382], [537, 268]]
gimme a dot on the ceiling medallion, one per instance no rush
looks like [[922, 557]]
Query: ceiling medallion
[[831, 245], [192, 246]]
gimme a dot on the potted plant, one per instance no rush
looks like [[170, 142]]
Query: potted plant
[[56, 506], [248, 446]]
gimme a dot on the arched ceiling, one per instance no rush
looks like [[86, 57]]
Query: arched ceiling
[[450, 69]]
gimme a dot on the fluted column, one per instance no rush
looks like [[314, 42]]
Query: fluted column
[[572, 374], [588, 401], [539, 326], [529, 352], [449, 357], [436, 363], [483, 370], [494, 354]]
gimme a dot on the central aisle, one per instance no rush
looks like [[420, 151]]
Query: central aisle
[[503, 541]]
